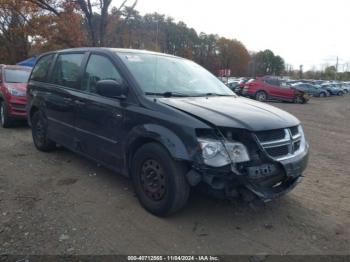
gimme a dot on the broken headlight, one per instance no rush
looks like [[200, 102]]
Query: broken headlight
[[217, 153]]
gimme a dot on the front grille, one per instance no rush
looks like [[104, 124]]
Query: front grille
[[278, 151], [280, 143], [294, 130], [296, 145], [19, 107], [270, 135]]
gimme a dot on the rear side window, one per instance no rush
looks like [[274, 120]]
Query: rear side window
[[99, 68], [41, 69], [66, 70], [273, 82]]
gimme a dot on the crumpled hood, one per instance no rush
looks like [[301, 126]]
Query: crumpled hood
[[235, 112]]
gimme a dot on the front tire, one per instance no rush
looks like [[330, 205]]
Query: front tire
[[299, 100], [5, 120], [159, 181], [323, 94], [40, 134], [340, 93]]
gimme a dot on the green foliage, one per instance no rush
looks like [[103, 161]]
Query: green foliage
[[267, 63]]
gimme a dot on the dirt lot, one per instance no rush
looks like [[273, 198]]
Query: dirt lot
[[60, 203]]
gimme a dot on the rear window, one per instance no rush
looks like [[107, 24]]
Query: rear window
[[41, 69], [16, 75]]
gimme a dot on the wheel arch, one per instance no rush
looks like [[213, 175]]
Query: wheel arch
[[261, 90], [31, 112], [158, 134]]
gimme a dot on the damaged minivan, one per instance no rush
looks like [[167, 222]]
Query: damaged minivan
[[165, 122]]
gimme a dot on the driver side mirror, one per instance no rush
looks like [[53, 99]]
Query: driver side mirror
[[111, 88]]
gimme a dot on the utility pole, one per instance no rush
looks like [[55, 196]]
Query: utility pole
[[300, 71], [157, 46], [336, 69]]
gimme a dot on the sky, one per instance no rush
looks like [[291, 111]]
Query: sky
[[304, 32]]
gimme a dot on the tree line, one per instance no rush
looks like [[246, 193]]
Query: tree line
[[31, 27], [328, 73]]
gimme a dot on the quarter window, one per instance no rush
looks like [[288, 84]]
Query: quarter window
[[66, 71], [99, 68], [41, 69]]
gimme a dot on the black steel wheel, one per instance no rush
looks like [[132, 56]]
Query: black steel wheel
[[39, 133], [159, 180], [153, 180]]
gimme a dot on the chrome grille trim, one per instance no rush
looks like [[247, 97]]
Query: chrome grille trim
[[289, 141], [280, 142]]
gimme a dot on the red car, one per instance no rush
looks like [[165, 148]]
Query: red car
[[271, 88], [13, 87]]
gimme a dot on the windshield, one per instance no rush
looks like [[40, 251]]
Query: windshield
[[160, 75], [16, 75]]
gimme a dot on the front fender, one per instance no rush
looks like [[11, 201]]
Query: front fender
[[153, 132]]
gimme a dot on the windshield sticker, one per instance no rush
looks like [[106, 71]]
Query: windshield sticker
[[133, 58]]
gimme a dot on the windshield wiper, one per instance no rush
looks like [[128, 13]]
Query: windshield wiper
[[167, 94], [214, 94]]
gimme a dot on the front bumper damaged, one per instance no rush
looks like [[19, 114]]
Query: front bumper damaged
[[281, 181], [268, 180]]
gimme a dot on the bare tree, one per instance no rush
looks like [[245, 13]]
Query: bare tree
[[48, 5], [95, 13], [88, 7]]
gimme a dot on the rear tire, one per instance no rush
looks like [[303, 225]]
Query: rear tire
[[261, 96], [340, 93], [40, 134], [5, 120], [323, 94], [159, 181]]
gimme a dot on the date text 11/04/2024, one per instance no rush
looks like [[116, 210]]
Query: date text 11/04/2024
[[173, 258]]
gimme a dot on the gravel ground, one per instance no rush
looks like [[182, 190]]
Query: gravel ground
[[60, 203]]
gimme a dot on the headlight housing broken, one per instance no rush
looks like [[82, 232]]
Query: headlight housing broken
[[218, 153]]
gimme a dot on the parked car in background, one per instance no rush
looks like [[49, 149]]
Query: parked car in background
[[311, 90], [237, 85], [333, 89], [13, 86], [166, 122], [234, 86], [270, 88], [344, 87]]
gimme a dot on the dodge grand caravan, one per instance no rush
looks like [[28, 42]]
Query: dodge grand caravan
[[166, 122]]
